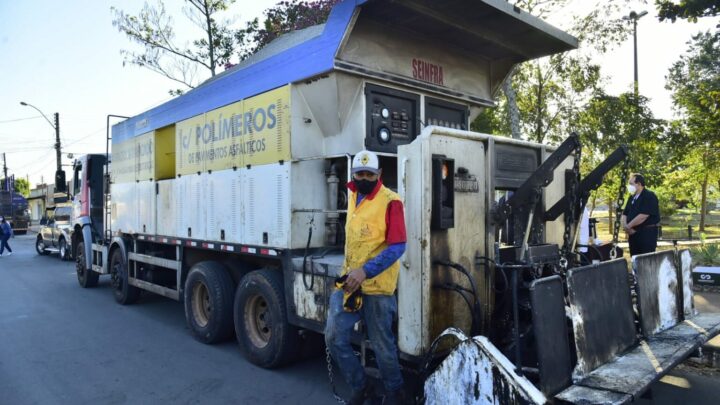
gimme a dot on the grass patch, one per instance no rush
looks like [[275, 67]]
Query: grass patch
[[674, 227]]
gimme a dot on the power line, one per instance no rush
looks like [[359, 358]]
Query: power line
[[20, 119]]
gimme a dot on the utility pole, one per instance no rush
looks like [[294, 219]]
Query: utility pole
[[5, 179], [57, 138], [59, 174]]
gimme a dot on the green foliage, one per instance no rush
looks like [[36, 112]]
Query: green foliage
[[216, 44], [552, 91], [695, 83], [22, 186], [706, 255], [686, 9], [153, 29], [284, 17], [666, 202]]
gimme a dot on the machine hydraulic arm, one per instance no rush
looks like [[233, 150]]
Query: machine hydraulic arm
[[588, 184], [532, 187]]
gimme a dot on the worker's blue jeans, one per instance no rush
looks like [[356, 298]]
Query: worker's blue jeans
[[4, 244], [378, 312]]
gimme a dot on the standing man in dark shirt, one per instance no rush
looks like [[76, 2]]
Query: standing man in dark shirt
[[641, 217]]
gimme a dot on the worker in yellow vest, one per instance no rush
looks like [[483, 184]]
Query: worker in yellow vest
[[374, 241]]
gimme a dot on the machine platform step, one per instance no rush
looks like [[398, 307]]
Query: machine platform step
[[627, 377]]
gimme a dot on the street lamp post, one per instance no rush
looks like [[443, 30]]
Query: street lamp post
[[59, 174], [635, 17]]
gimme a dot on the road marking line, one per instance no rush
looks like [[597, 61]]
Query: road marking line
[[696, 327], [653, 360]]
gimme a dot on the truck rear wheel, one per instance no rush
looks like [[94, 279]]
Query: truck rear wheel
[[261, 327], [86, 277], [208, 302], [124, 293]]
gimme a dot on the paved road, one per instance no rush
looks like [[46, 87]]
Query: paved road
[[60, 344]]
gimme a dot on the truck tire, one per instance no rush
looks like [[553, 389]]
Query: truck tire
[[208, 302], [86, 277], [63, 250], [125, 294], [261, 327], [40, 246]]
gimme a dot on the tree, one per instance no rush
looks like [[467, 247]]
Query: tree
[[22, 186], [154, 30], [687, 9], [695, 83], [218, 46], [546, 94], [284, 17], [610, 121]]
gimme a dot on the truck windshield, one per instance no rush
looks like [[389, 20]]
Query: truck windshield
[[63, 214]]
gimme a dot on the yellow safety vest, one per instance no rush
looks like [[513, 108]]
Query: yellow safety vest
[[365, 232]]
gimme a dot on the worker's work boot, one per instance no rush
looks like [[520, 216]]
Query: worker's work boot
[[359, 397], [395, 398]]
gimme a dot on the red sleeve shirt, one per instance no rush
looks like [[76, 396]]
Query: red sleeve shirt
[[395, 221]]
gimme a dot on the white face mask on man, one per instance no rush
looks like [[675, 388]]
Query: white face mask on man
[[631, 188]]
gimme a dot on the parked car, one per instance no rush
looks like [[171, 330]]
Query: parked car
[[55, 235]]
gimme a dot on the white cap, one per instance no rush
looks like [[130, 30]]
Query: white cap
[[366, 161]]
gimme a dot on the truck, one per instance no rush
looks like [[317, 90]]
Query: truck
[[232, 198], [15, 209], [56, 232]]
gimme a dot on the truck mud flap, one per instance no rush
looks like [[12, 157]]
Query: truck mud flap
[[476, 372]]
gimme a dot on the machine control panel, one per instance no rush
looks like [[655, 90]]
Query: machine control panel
[[392, 118]]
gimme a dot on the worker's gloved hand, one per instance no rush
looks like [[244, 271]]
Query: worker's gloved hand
[[352, 301]]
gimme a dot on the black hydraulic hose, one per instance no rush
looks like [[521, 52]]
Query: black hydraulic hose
[[460, 290], [475, 328], [304, 271]]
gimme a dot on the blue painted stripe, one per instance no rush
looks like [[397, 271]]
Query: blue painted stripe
[[305, 60]]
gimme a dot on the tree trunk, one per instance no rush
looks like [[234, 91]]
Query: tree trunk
[[611, 217], [211, 44], [512, 106], [538, 118], [703, 201]]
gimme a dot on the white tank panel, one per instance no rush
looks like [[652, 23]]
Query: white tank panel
[[165, 208], [124, 215], [267, 205], [191, 205], [221, 205], [145, 204]]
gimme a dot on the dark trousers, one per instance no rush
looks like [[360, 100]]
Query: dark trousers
[[3, 244], [643, 241]]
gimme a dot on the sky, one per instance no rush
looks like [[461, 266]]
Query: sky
[[64, 56]]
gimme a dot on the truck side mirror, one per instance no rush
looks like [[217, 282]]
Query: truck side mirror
[[60, 181]]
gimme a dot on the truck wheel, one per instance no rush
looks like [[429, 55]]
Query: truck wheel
[[124, 293], [261, 327], [86, 277], [63, 248], [40, 246], [208, 302]]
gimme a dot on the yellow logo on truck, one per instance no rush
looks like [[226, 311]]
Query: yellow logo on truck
[[254, 131]]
